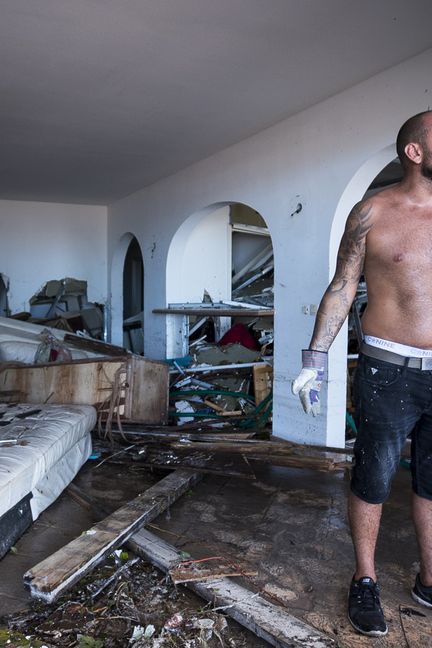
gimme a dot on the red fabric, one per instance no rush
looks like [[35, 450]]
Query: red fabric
[[239, 333]]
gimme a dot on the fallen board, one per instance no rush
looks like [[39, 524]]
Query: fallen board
[[266, 620], [61, 570]]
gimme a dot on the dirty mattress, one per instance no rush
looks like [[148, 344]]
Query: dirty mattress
[[42, 447]]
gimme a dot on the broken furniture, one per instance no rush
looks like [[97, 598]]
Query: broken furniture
[[123, 388], [66, 300], [41, 450], [178, 320], [218, 384]]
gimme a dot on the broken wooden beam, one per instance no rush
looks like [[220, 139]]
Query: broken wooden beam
[[256, 446], [270, 622], [275, 454], [61, 570], [192, 571], [174, 435], [216, 312], [220, 464]]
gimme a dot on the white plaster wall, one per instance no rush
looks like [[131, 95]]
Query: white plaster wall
[[200, 259], [310, 158], [42, 241]]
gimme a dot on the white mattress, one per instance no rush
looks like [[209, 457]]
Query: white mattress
[[50, 448]]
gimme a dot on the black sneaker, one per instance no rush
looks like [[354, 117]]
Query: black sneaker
[[421, 593], [364, 608]]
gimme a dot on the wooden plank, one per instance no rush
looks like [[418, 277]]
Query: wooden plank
[[216, 312], [171, 434], [272, 623], [262, 378], [194, 571], [96, 346], [293, 457], [258, 446], [60, 571], [149, 391]]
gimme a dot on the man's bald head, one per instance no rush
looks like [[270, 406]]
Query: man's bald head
[[413, 130]]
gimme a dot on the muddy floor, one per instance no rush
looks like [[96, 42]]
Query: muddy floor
[[140, 608], [288, 524]]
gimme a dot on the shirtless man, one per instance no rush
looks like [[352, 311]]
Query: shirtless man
[[388, 237]]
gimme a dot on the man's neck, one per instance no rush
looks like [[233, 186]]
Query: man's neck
[[417, 188]]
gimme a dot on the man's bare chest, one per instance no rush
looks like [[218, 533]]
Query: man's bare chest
[[400, 247]]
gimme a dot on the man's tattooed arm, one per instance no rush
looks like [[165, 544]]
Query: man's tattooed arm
[[337, 299]]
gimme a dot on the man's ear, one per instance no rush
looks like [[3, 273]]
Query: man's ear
[[414, 152]]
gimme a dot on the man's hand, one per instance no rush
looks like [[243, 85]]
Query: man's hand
[[308, 383]]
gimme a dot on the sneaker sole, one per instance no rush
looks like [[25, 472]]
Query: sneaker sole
[[418, 599], [371, 633]]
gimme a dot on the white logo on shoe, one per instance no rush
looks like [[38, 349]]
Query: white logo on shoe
[[374, 370]]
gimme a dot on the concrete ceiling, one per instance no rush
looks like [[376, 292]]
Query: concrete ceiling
[[99, 98]]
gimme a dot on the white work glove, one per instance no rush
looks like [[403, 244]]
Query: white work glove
[[308, 383]]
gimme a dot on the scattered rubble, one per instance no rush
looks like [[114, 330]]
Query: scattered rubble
[[140, 608], [63, 304]]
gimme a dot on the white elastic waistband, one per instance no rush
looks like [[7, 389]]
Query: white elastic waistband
[[401, 349]]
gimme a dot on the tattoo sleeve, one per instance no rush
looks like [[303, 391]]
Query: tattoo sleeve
[[338, 297]]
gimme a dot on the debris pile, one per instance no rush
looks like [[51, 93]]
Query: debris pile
[[229, 381], [229, 453], [125, 602], [63, 304]]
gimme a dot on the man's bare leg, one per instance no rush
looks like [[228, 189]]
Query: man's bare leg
[[364, 521], [422, 515]]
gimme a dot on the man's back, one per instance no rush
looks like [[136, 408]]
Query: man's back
[[398, 268]]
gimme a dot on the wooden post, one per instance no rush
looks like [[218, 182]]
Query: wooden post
[[266, 620]]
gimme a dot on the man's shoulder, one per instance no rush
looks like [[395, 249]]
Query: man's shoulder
[[371, 206]]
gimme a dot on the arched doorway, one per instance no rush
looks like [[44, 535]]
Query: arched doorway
[[221, 260], [222, 253], [133, 299], [372, 176], [127, 294]]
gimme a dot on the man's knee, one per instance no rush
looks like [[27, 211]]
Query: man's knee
[[372, 484]]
